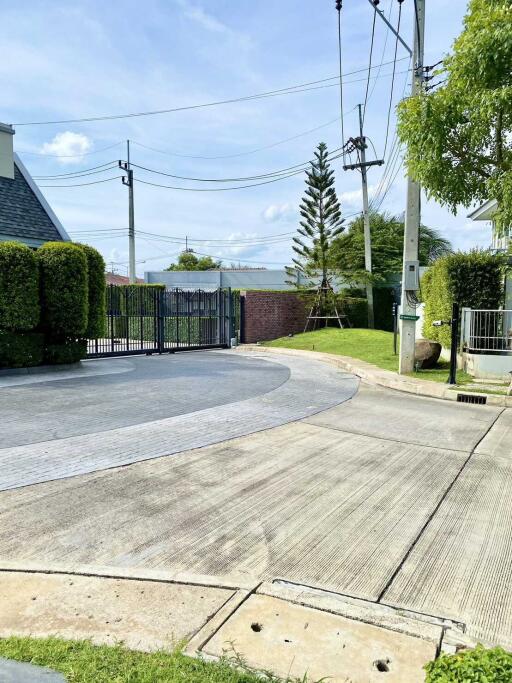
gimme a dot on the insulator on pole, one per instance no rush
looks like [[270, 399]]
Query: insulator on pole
[[339, 4]]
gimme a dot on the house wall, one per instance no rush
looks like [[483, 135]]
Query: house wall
[[269, 315]]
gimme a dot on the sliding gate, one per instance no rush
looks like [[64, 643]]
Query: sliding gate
[[148, 320]]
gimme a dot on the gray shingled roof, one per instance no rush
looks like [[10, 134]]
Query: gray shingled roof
[[21, 214]]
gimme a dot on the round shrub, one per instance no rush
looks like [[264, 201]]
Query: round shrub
[[96, 274], [70, 351], [21, 349], [472, 666], [19, 287], [64, 290]]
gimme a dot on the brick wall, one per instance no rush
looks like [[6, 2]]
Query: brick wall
[[269, 315]]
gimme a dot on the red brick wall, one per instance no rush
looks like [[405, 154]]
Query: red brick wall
[[269, 315]]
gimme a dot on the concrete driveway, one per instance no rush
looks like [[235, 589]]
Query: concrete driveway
[[392, 498]]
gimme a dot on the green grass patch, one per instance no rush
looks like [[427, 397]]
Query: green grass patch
[[372, 346], [82, 662]]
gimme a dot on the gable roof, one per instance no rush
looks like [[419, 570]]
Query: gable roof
[[115, 279], [25, 215], [485, 211]]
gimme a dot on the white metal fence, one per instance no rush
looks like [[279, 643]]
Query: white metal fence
[[486, 331]]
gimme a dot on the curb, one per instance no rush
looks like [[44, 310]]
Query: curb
[[40, 369], [375, 376]]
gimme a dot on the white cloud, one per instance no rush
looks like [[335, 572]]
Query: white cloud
[[355, 197], [279, 212], [207, 21], [68, 147]]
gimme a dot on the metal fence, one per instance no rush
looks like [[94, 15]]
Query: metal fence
[[148, 320], [487, 331]]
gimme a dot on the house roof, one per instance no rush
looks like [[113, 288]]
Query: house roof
[[25, 215], [485, 211], [114, 279]]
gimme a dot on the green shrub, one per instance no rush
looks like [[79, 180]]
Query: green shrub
[[21, 349], [96, 292], [356, 308], [471, 666], [19, 287], [473, 279], [64, 290], [69, 351]]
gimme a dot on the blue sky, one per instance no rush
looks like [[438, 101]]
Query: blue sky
[[71, 60]]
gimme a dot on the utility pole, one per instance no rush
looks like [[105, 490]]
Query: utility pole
[[410, 274], [366, 222], [360, 145], [128, 180]]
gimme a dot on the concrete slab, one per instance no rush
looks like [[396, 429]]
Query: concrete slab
[[314, 505], [20, 672], [462, 564], [498, 442], [292, 640], [145, 615], [409, 419], [311, 388]]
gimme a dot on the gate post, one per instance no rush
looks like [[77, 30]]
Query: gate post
[[229, 322], [160, 341]]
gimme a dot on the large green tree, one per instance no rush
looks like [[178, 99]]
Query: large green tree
[[321, 221], [187, 260], [347, 250], [458, 135]]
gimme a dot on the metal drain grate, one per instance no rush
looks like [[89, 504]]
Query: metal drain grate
[[472, 398]]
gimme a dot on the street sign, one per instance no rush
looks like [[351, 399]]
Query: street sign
[[409, 317]]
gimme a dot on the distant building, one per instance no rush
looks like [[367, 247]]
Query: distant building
[[485, 212], [25, 215], [115, 279]]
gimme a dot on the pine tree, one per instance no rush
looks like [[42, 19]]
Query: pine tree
[[321, 222]]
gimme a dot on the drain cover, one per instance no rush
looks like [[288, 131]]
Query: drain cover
[[290, 640]]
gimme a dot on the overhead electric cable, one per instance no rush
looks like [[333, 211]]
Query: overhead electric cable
[[303, 87], [393, 78], [70, 156], [78, 174], [339, 5], [382, 63], [370, 62], [95, 182], [296, 168]]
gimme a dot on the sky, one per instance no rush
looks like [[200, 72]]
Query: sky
[[89, 58]]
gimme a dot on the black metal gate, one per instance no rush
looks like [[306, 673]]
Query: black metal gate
[[147, 320]]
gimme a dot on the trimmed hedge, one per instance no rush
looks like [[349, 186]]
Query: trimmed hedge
[[473, 279], [19, 287], [21, 349], [480, 665], [70, 351], [64, 290], [96, 292]]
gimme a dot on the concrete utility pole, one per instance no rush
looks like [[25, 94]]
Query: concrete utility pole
[[410, 274], [360, 145], [131, 219], [366, 221]]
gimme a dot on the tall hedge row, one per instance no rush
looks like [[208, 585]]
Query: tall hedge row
[[64, 290], [19, 287], [96, 292], [51, 301], [473, 280]]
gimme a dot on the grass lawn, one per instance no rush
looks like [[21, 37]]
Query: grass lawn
[[372, 346], [82, 662]]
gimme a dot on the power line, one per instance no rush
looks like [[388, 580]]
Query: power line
[[296, 168], [77, 174], [240, 154], [381, 64], [370, 62], [393, 78], [95, 182], [303, 87], [68, 156], [340, 75]]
